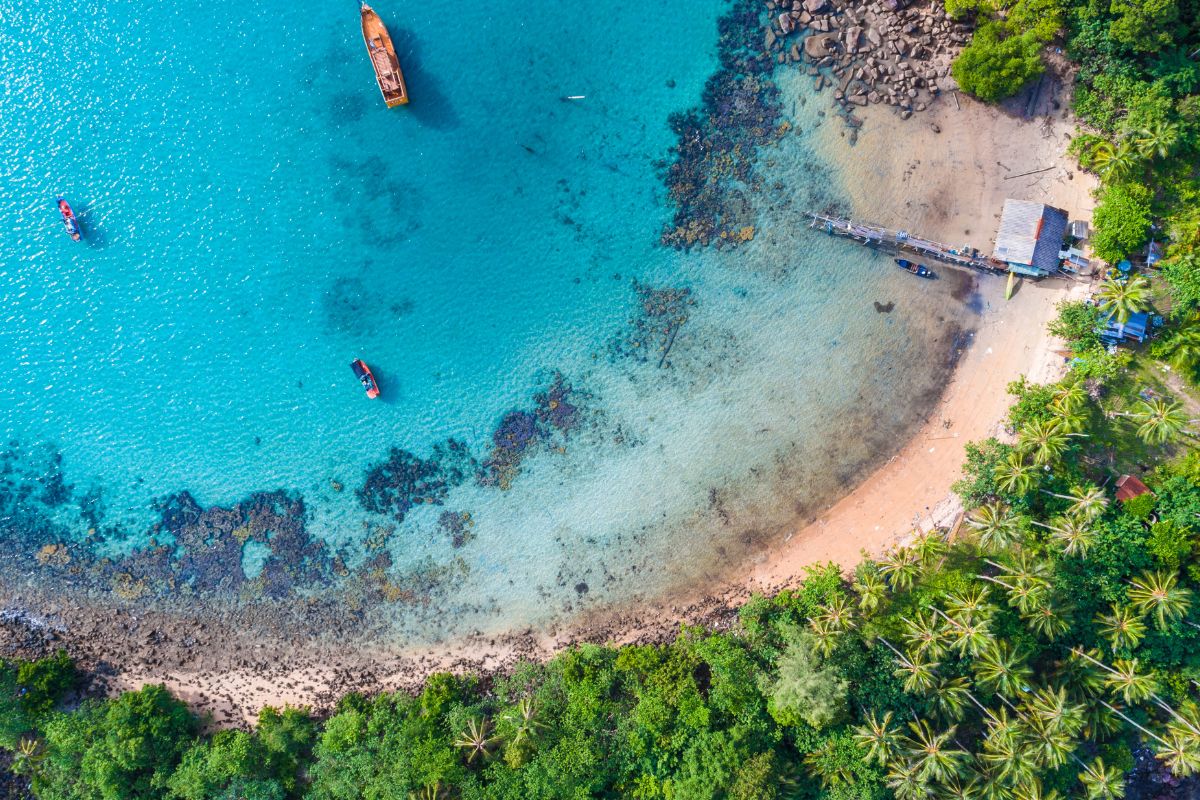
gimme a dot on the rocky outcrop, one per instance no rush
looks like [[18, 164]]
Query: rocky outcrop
[[880, 52]]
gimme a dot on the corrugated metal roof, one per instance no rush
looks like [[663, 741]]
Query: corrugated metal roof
[[1030, 234]]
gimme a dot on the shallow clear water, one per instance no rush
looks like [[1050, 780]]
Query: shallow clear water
[[255, 218]]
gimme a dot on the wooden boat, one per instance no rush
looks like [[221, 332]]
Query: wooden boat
[[383, 59], [920, 270], [69, 220], [365, 377]]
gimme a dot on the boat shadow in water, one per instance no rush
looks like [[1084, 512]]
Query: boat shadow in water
[[430, 105], [92, 232]]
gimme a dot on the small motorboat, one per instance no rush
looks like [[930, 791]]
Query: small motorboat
[[920, 270], [365, 377], [69, 220]]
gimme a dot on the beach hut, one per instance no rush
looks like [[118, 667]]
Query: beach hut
[[1030, 237], [1129, 487], [1133, 328]]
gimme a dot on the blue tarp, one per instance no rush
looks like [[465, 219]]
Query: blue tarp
[[1133, 328]]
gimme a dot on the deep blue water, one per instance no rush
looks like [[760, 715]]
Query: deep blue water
[[255, 219]]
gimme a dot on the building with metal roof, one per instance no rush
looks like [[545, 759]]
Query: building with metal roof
[[1030, 237]]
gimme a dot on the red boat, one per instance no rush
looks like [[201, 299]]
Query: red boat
[[69, 220], [365, 377]]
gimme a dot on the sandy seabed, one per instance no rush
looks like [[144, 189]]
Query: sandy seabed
[[944, 173]]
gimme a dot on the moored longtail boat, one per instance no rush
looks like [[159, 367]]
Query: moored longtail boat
[[383, 59], [68, 217]]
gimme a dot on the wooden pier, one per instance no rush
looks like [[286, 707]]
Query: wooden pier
[[905, 242]]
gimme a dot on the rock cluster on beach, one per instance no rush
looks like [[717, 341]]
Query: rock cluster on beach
[[883, 51]]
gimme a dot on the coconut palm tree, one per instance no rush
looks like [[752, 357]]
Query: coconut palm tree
[[970, 604], [1114, 162], [996, 526], [919, 675], [1183, 348], [870, 587], [1133, 686], [1002, 750], [28, 756], [1073, 534], [1046, 621], [837, 613], [430, 791], [1122, 626], [1002, 669], [955, 788], [1087, 502], [878, 737], [924, 635], [930, 546], [907, 782], [1069, 398], [901, 566], [950, 698], [1123, 299], [825, 638], [1044, 440], [1081, 672], [1159, 594], [524, 721], [477, 739], [1161, 421], [1180, 754], [1158, 139], [932, 754], [1014, 475], [830, 770]]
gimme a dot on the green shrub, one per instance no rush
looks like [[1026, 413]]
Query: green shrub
[[1121, 221], [996, 64]]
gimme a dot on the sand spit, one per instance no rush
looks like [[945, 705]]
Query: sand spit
[[944, 174]]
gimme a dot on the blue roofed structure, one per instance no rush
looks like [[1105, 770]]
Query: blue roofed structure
[[1030, 237], [1133, 328]]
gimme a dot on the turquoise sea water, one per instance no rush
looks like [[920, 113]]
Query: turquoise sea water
[[255, 219]]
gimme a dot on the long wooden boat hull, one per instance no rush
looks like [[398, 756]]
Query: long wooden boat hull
[[383, 59]]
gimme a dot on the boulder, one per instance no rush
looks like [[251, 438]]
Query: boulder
[[851, 37], [786, 23], [817, 45], [874, 37], [815, 6]]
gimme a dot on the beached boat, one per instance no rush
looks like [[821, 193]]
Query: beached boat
[[365, 377], [920, 270], [383, 59], [69, 220]]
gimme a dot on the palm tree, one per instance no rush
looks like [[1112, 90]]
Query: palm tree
[[1072, 533], [1184, 347], [1122, 299], [1160, 595], [1158, 139], [1181, 755], [955, 788], [1070, 398], [524, 721], [950, 698], [477, 739], [824, 636], [1115, 162], [1087, 502], [1122, 626], [1043, 439], [1124, 679], [1002, 669], [1161, 421], [869, 586], [919, 675], [970, 604], [830, 770], [907, 783], [924, 635], [1080, 671], [930, 546], [932, 755], [996, 526], [1045, 621], [28, 756], [430, 791], [1015, 476], [878, 737], [837, 613], [901, 566]]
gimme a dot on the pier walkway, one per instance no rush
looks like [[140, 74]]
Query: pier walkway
[[905, 242]]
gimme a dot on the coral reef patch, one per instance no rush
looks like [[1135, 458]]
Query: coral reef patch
[[660, 314], [555, 415], [394, 486]]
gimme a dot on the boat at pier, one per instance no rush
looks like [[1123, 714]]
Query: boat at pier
[[920, 270], [365, 377], [68, 215], [383, 59]]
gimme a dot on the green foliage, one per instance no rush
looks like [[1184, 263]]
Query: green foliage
[[44, 682], [996, 63], [1122, 221], [1076, 323], [803, 691], [1145, 25]]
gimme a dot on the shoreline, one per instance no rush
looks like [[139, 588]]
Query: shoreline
[[944, 174]]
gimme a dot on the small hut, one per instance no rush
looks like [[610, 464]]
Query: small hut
[[1030, 237], [1129, 487]]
